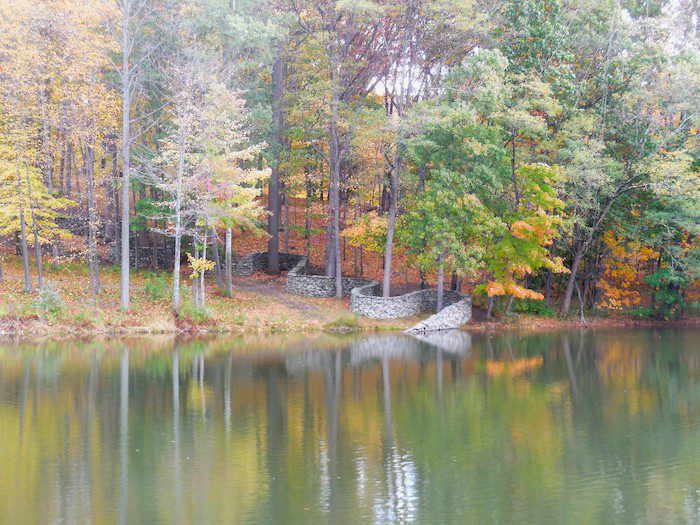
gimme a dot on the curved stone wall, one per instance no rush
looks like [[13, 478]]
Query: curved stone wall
[[366, 300], [299, 282], [449, 318]]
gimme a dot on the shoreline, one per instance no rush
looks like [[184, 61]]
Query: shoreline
[[260, 306], [33, 329]]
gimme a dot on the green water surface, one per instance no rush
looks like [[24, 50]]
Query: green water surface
[[561, 427]]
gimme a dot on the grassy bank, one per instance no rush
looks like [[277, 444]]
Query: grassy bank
[[259, 306]]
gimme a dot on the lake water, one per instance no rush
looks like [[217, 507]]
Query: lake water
[[562, 427]]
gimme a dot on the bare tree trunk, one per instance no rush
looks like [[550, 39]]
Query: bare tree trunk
[[195, 282], [229, 262], [217, 262], [393, 208], [126, 44], [355, 254], [570, 285], [178, 225], [287, 198], [335, 199], [273, 222], [334, 156], [201, 274], [114, 203], [441, 281], [69, 169], [154, 239], [61, 171], [548, 289], [330, 253], [93, 263], [46, 141], [35, 230], [25, 251], [362, 261], [307, 215], [509, 304]]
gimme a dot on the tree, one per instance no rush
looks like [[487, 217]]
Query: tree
[[204, 164], [346, 43], [22, 189], [126, 24]]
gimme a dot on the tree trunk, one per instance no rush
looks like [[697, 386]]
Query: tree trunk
[[35, 230], [570, 285], [489, 309], [334, 155], [93, 263], [201, 274], [330, 255], [61, 170], [307, 215], [25, 251], [195, 281], [69, 169], [393, 208], [229, 263], [154, 239], [440, 282], [509, 304], [126, 87], [287, 198], [548, 289], [273, 221], [178, 225], [217, 262]]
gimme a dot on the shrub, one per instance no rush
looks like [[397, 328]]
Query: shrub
[[193, 313], [533, 307], [643, 312], [345, 323], [113, 269], [156, 286], [86, 318], [48, 301]]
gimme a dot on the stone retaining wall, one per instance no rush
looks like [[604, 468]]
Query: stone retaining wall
[[449, 318], [300, 282], [251, 263], [366, 300]]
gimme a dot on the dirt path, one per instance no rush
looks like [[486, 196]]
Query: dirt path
[[273, 286]]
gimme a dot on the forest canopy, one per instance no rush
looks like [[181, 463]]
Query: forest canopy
[[539, 154]]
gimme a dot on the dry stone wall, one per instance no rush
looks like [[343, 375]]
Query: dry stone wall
[[300, 282], [365, 295], [449, 318], [366, 300], [253, 262]]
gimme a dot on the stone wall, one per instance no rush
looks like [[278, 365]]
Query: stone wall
[[300, 282], [253, 262], [365, 298], [367, 301], [449, 318]]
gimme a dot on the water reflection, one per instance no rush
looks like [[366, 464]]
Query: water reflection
[[463, 428]]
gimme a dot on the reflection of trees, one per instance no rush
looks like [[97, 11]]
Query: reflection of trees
[[375, 429], [123, 435], [177, 461]]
